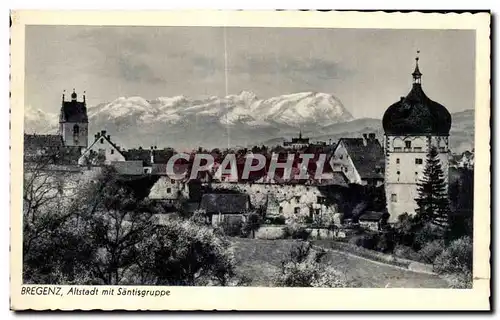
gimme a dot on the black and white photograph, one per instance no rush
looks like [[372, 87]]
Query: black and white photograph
[[240, 156]]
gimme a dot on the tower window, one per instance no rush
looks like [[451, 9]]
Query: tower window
[[418, 161], [394, 197], [397, 160], [76, 130], [407, 144]]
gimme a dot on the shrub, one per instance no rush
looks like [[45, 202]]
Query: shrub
[[427, 234], [365, 240], [431, 250], [459, 280], [385, 242], [280, 220], [251, 224], [231, 227], [304, 269], [199, 217], [296, 231], [456, 258], [406, 252]]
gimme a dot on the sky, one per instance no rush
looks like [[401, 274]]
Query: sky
[[367, 69]]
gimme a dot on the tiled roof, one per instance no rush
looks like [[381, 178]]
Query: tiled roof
[[224, 203], [33, 142], [367, 158], [371, 216], [128, 167]]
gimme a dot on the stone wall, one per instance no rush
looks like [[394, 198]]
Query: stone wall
[[295, 201]]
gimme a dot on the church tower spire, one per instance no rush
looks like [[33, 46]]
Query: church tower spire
[[417, 75]]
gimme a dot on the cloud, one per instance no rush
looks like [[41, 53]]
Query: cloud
[[290, 66], [133, 69]]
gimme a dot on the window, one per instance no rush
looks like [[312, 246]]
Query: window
[[407, 144], [297, 198], [76, 130], [281, 210], [320, 199], [317, 211], [341, 157], [397, 160], [169, 190], [296, 210], [398, 172], [418, 161], [397, 148], [102, 140], [112, 151], [394, 198], [417, 148], [172, 181]]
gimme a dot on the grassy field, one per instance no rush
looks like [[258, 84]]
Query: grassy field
[[258, 260]]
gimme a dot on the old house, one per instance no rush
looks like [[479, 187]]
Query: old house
[[372, 220], [360, 159], [225, 206], [166, 189], [101, 151]]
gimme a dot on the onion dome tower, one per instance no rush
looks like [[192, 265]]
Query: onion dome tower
[[412, 126]]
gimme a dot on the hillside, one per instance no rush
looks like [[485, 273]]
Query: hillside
[[260, 259]]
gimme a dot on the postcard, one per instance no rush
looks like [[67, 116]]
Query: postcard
[[250, 160]]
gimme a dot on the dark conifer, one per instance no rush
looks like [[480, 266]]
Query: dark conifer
[[432, 200]]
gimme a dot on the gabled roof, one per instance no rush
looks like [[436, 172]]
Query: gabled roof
[[108, 139], [368, 158], [224, 203], [371, 216]]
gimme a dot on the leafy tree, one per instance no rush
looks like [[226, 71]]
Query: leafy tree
[[184, 253], [432, 200], [304, 268], [111, 236], [455, 262]]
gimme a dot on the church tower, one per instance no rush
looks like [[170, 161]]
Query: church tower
[[73, 122], [412, 126]]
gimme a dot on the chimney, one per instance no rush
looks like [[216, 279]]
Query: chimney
[[108, 137], [97, 135], [103, 132], [365, 139]]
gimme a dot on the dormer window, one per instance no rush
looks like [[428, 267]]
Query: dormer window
[[407, 144]]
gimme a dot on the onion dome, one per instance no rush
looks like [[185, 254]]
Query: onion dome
[[73, 95], [416, 114]]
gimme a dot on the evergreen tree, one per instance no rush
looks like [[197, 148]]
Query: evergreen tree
[[432, 201]]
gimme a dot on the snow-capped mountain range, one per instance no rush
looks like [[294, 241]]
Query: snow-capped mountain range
[[237, 120]]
